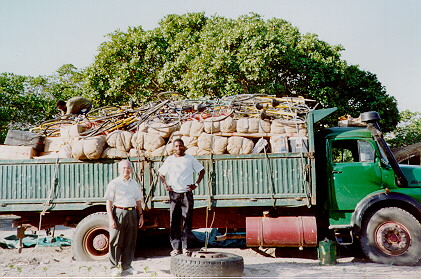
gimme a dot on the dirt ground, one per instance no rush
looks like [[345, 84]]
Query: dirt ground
[[154, 261]]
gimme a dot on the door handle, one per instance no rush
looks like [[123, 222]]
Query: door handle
[[336, 171]]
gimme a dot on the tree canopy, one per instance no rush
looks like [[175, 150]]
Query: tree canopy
[[202, 56], [408, 130], [216, 56], [26, 101]]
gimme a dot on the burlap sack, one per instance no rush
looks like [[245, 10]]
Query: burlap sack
[[239, 145], [136, 152], [77, 150], [253, 125], [138, 140], [185, 128], [152, 142], [65, 151], [162, 130], [114, 153], [212, 127], [228, 125], [277, 127], [214, 144], [71, 131], [120, 140], [161, 151], [196, 128], [93, 147], [89, 148], [196, 151], [189, 141], [192, 128]]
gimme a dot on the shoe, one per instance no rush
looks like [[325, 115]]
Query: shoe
[[175, 252], [129, 271], [186, 252], [115, 272]]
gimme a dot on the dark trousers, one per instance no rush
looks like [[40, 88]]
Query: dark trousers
[[123, 239], [181, 215]]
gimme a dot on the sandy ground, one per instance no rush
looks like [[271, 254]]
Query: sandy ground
[[154, 262]]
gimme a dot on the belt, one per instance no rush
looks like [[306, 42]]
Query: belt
[[125, 208]]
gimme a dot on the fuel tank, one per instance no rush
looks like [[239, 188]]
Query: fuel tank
[[286, 231]]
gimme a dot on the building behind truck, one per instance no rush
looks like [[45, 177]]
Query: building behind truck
[[341, 183]]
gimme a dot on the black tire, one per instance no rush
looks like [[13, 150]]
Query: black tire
[[91, 238], [392, 235], [227, 265]]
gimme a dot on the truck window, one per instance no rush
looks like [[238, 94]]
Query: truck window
[[348, 151]]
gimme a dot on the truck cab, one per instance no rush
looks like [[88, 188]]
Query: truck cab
[[368, 196]]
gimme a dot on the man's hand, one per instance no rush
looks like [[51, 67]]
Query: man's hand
[[191, 187], [141, 221], [168, 188], [113, 223]]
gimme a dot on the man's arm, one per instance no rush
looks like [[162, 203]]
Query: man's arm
[[111, 221], [199, 179], [140, 212], [164, 182]]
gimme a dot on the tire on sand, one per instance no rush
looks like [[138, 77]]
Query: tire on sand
[[226, 265], [91, 238], [392, 235]]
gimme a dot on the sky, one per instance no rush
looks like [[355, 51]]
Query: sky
[[381, 36]]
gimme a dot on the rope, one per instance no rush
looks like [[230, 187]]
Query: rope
[[47, 203]]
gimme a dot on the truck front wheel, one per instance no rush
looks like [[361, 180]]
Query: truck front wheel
[[392, 235], [91, 238]]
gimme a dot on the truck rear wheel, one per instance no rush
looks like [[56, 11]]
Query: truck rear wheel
[[392, 235], [91, 238], [207, 264]]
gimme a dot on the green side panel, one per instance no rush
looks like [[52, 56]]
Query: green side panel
[[230, 181], [249, 180], [67, 184]]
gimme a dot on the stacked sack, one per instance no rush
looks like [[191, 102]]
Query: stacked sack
[[229, 136]]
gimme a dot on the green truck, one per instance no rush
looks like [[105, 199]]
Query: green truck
[[342, 183]]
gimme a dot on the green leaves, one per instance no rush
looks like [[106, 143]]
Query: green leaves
[[408, 130], [215, 56]]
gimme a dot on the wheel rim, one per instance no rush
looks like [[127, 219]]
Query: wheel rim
[[96, 242], [393, 238]]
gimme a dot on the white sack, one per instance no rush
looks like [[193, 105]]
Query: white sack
[[277, 127], [138, 140], [214, 144], [114, 153], [89, 148], [239, 145], [153, 141], [120, 140], [136, 152]]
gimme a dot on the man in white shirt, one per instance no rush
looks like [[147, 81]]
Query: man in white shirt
[[123, 201], [180, 168]]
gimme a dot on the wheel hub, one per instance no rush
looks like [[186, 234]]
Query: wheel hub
[[393, 238], [100, 242]]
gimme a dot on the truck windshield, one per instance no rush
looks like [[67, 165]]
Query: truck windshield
[[348, 151]]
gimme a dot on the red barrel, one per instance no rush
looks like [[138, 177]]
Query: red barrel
[[281, 231]]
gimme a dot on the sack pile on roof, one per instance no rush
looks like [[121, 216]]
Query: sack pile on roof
[[245, 124]]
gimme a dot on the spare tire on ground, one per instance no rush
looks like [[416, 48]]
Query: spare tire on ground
[[207, 264]]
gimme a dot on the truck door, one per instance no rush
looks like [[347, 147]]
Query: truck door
[[354, 172]]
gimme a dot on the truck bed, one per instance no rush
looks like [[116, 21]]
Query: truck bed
[[281, 179]]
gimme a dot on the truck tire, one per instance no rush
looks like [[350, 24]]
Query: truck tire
[[91, 238], [225, 265], [392, 235]]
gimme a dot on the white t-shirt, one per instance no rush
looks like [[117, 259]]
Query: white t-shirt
[[180, 171], [123, 193]]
